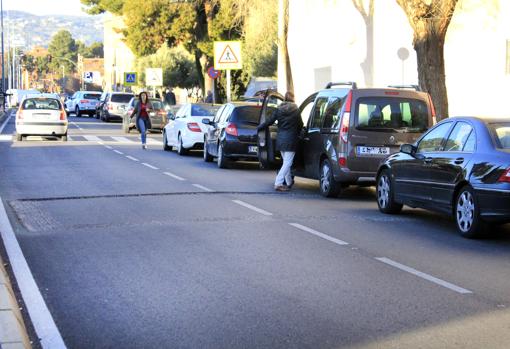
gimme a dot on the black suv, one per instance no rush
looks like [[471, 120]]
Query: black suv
[[349, 131]]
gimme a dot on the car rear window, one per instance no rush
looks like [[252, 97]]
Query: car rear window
[[248, 114], [389, 114], [41, 103], [502, 134], [203, 110], [124, 98], [156, 104], [91, 96]]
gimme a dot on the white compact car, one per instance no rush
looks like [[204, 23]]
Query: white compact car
[[41, 115], [185, 129], [83, 102]]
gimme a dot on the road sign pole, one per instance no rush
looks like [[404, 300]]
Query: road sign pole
[[228, 86]]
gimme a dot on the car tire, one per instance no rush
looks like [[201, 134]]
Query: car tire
[[180, 148], [223, 161], [166, 147], [467, 214], [77, 112], [19, 137], [386, 195], [328, 186], [63, 138], [207, 157]]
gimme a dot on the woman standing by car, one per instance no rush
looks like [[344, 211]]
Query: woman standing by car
[[141, 111]]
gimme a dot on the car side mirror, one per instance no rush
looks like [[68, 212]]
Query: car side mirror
[[408, 149], [171, 116], [206, 121]]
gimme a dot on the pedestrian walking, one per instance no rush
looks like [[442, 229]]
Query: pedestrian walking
[[143, 121], [170, 97], [289, 127], [209, 97]]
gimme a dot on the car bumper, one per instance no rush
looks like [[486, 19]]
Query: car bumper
[[494, 203], [41, 128], [344, 175], [236, 149]]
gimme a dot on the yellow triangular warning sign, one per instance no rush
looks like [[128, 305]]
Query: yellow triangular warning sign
[[228, 56]]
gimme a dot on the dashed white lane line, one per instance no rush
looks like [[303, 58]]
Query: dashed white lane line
[[108, 147], [118, 152], [150, 166], [92, 138], [169, 174], [100, 143], [319, 234], [425, 276], [132, 158], [253, 208], [202, 187]]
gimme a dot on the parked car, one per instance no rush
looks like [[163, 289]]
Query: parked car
[[115, 105], [349, 131], [158, 115], [461, 167], [83, 102], [232, 134], [185, 129], [41, 115], [100, 104]]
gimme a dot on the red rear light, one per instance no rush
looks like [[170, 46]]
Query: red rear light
[[505, 177], [346, 117], [63, 115], [348, 103], [193, 127], [84, 101], [342, 161], [391, 93], [231, 129], [109, 106]]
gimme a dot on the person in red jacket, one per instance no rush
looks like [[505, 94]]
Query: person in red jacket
[[143, 121]]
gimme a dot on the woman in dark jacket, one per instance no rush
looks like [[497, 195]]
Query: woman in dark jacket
[[143, 121]]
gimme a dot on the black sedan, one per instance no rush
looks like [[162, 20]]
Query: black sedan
[[460, 167]]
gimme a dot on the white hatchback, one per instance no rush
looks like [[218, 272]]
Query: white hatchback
[[185, 129], [41, 115]]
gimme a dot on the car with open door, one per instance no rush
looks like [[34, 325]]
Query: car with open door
[[461, 167], [348, 131]]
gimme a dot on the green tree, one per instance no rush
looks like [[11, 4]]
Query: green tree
[[63, 51], [95, 50]]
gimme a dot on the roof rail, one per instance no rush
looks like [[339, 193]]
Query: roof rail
[[348, 83], [414, 87]]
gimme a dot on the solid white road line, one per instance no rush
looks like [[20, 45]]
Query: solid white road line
[[424, 275], [253, 208], [174, 176], [122, 139], [132, 158], [202, 187], [39, 314], [92, 138], [154, 141], [118, 152], [5, 122], [150, 166], [319, 234], [100, 143]]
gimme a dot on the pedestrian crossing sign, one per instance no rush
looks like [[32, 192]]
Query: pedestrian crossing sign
[[227, 55], [130, 79]]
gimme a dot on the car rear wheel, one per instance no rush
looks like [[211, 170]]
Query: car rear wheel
[[180, 148], [77, 112], [385, 194], [63, 138], [19, 137], [166, 147], [467, 214], [328, 186], [222, 159], [207, 156]]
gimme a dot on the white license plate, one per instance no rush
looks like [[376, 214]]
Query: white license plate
[[373, 151], [253, 149]]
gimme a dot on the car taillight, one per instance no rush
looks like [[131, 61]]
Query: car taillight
[[231, 129], [342, 161], [346, 117], [63, 115], [84, 101], [432, 110], [505, 177], [193, 127]]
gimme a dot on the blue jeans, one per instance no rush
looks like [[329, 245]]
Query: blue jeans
[[142, 129]]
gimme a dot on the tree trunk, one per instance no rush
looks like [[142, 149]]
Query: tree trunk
[[198, 65], [284, 66], [431, 71], [368, 64]]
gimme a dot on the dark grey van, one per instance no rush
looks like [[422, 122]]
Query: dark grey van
[[349, 131]]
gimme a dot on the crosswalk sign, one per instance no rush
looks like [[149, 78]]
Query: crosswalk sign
[[130, 78], [227, 55]]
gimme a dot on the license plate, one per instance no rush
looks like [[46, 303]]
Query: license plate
[[253, 149], [373, 151]]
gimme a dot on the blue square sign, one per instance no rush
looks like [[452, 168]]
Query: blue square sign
[[130, 78]]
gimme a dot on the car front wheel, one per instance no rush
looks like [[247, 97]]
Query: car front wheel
[[467, 214], [385, 194], [77, 112], [328, 186], [180, 148]]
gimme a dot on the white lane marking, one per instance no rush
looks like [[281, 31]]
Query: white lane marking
[[122, 139], [202, 187], [37, 309], [92, 138], [154, 141], [100, 143], [132, 158], [424, 275], [150, 166], [5, 138], [108, 147], [253, 208], [319, 234], [174, 176], [5, 122], [118, 152]]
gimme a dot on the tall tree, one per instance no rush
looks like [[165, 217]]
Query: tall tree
[[63, 51], [368, 17], [430, 20], [284, 66]]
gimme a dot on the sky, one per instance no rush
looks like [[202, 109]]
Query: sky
[[46, 7]]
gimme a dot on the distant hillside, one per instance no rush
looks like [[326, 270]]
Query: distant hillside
[[29, 30]]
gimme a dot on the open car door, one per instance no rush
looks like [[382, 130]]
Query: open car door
[[266, 144]]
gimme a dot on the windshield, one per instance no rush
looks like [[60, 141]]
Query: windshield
[[91, 96], [41, 103], [123, 98], [392, 114], [203, 110], [502, 134], [157, 104]]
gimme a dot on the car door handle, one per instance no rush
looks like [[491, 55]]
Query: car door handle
[[428, 160], [459, 161]]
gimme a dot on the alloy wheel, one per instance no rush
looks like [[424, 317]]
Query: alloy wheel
[[325, 177], [383, 191], [465, 211]]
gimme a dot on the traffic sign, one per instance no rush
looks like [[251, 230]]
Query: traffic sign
[[154, 77], [130, 78], [213, 73], [88, 77], [227, 55]]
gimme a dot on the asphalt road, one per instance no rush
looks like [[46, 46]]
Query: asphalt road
[[147, 249]]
